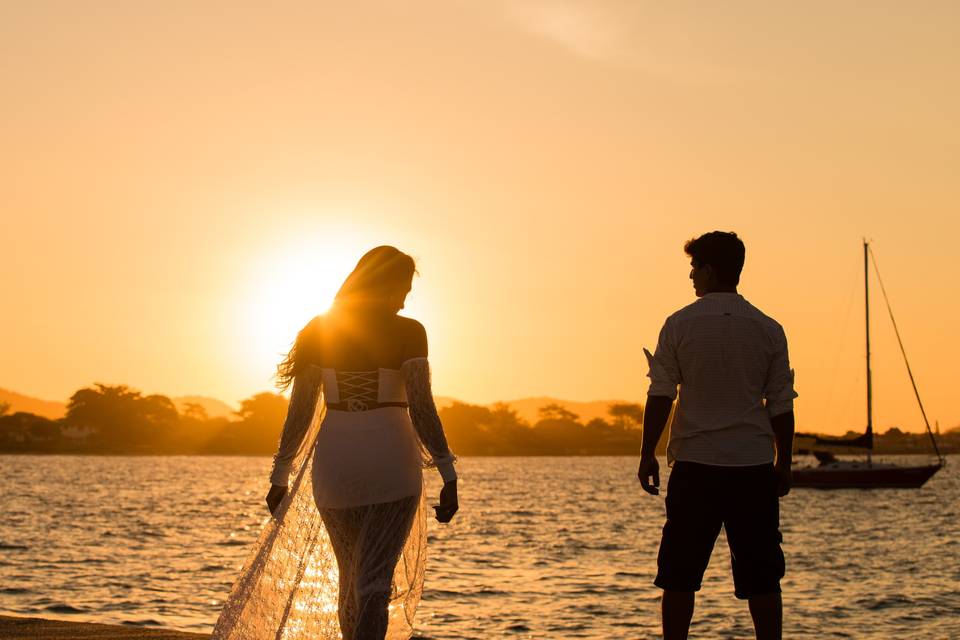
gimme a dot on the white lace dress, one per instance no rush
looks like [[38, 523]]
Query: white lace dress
[[378, 431]]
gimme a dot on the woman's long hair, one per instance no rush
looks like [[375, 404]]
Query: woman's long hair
[[381, 273]]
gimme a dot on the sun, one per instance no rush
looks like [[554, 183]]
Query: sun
[[288, 287], [292, 280]]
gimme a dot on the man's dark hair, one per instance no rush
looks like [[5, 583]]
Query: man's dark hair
[[723, 251]]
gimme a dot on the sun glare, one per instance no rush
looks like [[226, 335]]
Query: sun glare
[[286, 289], [294, 279]]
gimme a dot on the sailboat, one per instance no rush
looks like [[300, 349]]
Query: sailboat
[[834, 473]]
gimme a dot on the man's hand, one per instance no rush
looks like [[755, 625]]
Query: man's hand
[[655, 416], [784, 478], [275, 496], [783, 426], [649, 469]]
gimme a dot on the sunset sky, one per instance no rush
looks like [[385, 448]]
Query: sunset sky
[[184, 184]]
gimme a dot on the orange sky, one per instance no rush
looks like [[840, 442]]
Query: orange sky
[[186, 183]]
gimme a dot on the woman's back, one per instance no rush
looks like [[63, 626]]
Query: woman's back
[[365, 341], [367, 450]]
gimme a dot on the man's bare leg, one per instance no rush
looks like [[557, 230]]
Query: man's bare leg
[[677, 610], [767, 613]]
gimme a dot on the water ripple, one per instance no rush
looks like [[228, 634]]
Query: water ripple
[[542, 548]]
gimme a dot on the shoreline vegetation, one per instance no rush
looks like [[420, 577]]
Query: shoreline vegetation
[[118, 420]]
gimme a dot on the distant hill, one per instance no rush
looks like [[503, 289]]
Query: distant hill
[[214, 408], [528, 408], [444, 401], [45, 408], [55, 410]]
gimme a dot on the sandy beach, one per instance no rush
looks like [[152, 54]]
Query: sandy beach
[[16, 628]]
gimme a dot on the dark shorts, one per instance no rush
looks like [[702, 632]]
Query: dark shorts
[[701, 498]]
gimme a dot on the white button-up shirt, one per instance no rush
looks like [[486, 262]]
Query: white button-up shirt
[[730, 363]]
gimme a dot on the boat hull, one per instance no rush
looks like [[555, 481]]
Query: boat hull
[[863, 477]]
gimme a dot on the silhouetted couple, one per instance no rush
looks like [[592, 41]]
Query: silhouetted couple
[[362, 424]]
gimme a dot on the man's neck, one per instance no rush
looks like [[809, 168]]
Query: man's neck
[[721, 290]]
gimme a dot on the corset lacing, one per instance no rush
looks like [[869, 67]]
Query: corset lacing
[[358, 389]]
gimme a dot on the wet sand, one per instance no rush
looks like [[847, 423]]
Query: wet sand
[[15, 628]]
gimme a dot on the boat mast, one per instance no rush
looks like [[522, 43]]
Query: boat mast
[[906, 361], [866, 295]]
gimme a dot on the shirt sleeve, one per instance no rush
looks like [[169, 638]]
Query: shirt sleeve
[[300, 412], [779, 392], [664, 371], [426, 420]]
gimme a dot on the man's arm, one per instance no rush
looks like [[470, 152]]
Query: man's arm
[[655, 415], [779, 395], [664, 378], [783, 427]]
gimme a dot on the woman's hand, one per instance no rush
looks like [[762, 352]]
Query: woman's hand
[[275, 496], [448, 502]]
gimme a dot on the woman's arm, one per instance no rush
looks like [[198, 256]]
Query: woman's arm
[[423, 413], [303, 406]]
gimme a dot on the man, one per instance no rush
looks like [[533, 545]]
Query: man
[[733, 419]]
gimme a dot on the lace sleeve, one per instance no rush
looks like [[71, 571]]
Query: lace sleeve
[[423, 413], [303, 405]]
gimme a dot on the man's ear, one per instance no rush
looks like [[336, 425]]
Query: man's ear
[[711, 274]]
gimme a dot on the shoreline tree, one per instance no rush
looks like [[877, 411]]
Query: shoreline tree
[[116, 419]]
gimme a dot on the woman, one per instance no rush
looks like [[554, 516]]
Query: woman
[[379, 430]]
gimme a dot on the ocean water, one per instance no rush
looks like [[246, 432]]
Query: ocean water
[[542, 548]]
